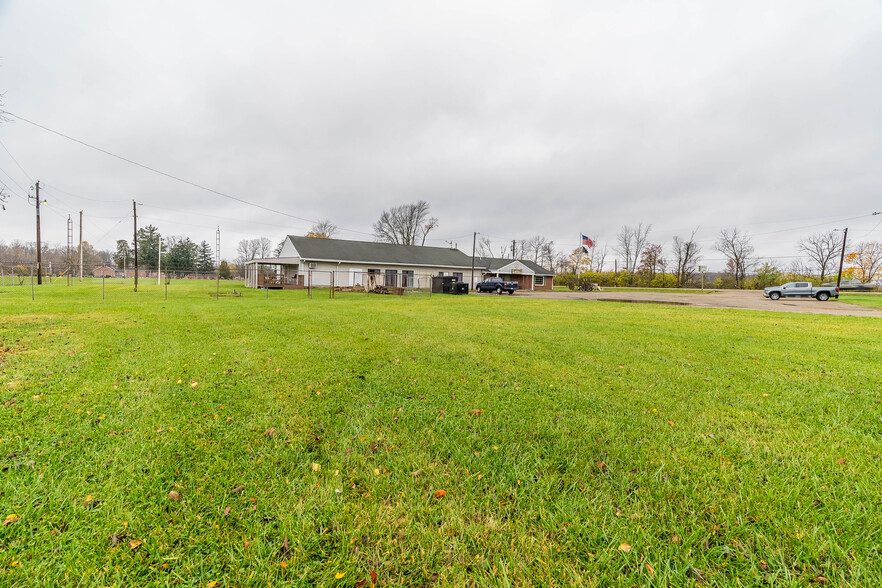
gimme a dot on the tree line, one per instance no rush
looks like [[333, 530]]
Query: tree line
[[643, 262]]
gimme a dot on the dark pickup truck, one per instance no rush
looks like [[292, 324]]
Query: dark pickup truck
[[497, 285]]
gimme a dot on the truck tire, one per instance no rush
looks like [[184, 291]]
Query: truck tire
[[823, 296], [774, 295], [510, 292], [499, 290]]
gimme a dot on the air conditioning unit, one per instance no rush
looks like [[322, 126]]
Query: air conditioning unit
[[312, 265]]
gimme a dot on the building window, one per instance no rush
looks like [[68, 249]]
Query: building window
[[538, 280], [407, 278], [457, 276]]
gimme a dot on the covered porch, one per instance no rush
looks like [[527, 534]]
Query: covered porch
[[281, 273]]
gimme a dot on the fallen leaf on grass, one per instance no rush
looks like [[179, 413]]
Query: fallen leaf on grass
[[11, 519], [270, 432], [416, 473], [840, 461], [625, 547], [174, 495], [134, 543], [477, 411], [360, 584], [671, 423], [211, 584], [650, 569], [820, 580], [339, 575], [440, 493], [227, 511], [373, 577], [238, 489], [698, 575], [316, 467], [284, 552]]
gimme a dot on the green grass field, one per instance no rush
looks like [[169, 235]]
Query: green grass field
[[254, 441]]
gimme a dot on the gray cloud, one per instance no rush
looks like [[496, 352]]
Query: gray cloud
[[510, 118]]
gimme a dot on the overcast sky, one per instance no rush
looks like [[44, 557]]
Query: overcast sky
[[510, 118]]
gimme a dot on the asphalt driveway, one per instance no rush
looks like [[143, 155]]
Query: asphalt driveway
[[743, 299]]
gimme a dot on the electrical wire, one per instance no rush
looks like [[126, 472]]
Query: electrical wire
[[27, 175], [159, 172]]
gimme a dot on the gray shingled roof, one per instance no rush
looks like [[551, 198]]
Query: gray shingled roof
[[314, 249], [494, 263]]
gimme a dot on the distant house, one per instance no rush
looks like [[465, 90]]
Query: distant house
[[320, 262], [104, 271], [529, 275]]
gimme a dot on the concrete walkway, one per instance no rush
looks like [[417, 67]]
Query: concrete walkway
[[743, 299]]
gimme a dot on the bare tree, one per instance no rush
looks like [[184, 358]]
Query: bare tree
[[598, 257], [405, 225], [739, 252], [651, 259], [249, 249], [631, 241], [323, 229], [536, 249], [264, 247], [822, 250], [687, 254], [484, 247]]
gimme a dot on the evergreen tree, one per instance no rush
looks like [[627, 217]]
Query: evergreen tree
[[183, 255], [148, 247], [123, 256], [205, 264]]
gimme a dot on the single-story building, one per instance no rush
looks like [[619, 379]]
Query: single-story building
[[305, 261], [104, 271], [528, 274]]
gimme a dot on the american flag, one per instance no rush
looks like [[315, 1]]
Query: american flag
[[586, 241]]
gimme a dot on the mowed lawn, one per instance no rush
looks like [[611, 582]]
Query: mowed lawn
[[432, 441]]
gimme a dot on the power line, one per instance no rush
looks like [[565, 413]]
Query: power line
[[156, 171], [27, 175]]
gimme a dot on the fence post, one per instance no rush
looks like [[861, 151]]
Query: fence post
[[309, 285], [333, 274], [32, 281], [102, 286]]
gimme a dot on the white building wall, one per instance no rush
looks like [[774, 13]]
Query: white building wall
[[348, 274]]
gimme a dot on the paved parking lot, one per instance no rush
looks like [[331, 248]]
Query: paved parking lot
[[744, 299]]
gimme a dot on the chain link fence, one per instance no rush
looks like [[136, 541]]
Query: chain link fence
[[103, 278]]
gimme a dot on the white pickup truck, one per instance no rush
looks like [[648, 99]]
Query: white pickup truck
[[801, 290]]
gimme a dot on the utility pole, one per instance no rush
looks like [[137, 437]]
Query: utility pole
[[158, 258], [512, 248], [135, 211], [217, 264], [842, 257], [81, 245], [39, 248], [69, 271], [474, 241]]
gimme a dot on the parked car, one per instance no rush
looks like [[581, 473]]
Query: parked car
[[801, 290], [496, 284]]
